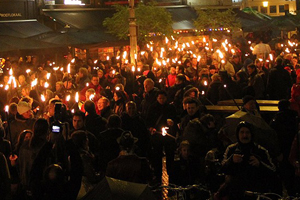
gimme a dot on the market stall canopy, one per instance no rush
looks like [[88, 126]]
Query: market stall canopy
[[114, 189], [22, 28]]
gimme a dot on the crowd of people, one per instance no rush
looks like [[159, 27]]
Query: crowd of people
[[65, 128]]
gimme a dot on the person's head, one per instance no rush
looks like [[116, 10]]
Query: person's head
[[192, 106], [131, 108], [244, 132], [279, 61], [249, 103], [54, 174], [25, 91], [119, 95], [59, 85], [172, 70], [13, 108], [184, 149], [235, 59], [80, 139], [78, 120], [208, 120], [180, 78], [284, 105], [41, 127], [251, 69], [24, 109], [51, 108], [22, 79], [100, 73], [161, 97], [40, 132], [179, 69], [294, 61], [192, 92], [114, 121], [148, 85], [258, 62], [89, 94], [83, 72], [241, 76], [194, 61], [102, 103], [212, 70], [89, 107], [126, 141], [95, 80], [215, 63], [23, 136]]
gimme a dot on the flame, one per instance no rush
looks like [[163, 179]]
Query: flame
[[92, 97], [73, 60], [271, 56], [46, 85], [205, 83], [199, 58], [124, 54], [107, 57], [48, 75], [6, 108], [167, 40], [164, 131], [133, 69], [76, 97], [10, 72], [28, 71], [43, 98], [68, 68], [95, 61], [34, 82], [142, 53], [68, 97]]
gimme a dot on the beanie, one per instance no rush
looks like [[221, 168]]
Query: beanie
[[23, 107]]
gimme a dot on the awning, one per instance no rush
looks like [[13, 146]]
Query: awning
[[10, 43], [22, 28], [183, 17], [88, 19]]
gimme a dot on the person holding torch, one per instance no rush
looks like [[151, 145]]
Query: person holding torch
[[161, 123]]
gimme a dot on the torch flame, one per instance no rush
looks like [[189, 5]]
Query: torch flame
[[76, 97]]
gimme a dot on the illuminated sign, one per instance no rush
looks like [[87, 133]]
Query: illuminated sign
[[73, 2], [10, 14]]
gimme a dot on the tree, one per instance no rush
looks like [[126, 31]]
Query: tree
[[215, 19], [149, 19]]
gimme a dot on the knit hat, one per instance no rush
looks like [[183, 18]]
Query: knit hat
[[23, 107]]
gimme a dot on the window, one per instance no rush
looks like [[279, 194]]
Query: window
[[264, 9], [281, 8], [273, 9], [255, 8]]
